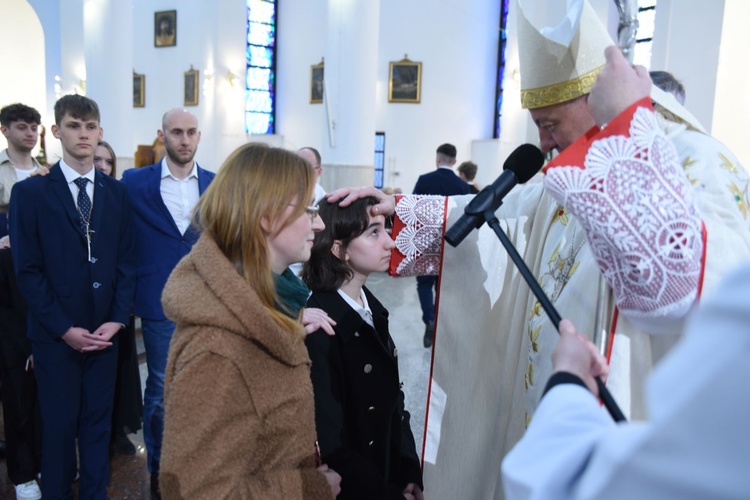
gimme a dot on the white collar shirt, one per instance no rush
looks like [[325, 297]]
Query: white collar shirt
[[70, 177], [365, 311], [179, 195]]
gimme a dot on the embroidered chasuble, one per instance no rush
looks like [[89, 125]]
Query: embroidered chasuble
[[629, 225]]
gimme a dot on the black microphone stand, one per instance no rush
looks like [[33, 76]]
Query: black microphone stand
[[489, 216]]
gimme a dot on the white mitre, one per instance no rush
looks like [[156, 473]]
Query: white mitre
[[560, 63]]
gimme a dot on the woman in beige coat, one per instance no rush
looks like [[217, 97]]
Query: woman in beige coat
[[239, 403]]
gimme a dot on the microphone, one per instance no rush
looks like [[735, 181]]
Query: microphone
[[522, 164]]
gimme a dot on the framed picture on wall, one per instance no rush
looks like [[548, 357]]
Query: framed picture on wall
[[165, 28], [139, 90], [191, 87], [405, 81], [317, 74]]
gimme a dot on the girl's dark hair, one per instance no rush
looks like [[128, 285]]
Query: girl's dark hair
[[324, 271]]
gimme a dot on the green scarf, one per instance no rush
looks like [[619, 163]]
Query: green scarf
[[291, 293]]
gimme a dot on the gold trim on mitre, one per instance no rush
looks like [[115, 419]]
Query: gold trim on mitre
[[559, 92], [560, 63]]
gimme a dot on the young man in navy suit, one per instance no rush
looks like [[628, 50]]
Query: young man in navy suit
[[73, 251], [442, 181], [163, 196]]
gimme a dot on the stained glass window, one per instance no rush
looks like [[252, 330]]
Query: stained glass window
[[260, 74], [645, 34], [379, 158], [500, 67]]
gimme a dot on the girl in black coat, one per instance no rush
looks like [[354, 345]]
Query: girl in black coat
[[363, 428]]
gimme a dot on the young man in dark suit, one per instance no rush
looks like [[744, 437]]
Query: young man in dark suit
[[72, 244], [442, 181], [163, 196]]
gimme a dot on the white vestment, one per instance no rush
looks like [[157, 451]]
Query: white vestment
[[695, 444], [493, 340]]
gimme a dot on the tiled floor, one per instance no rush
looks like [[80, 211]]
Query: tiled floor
[[130, 479]]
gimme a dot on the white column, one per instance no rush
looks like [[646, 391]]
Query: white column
[[108, 36], [351, 76]]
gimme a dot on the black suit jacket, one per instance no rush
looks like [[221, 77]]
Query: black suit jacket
[[363, 428], [15, 348], [442, 181], [62, 288]]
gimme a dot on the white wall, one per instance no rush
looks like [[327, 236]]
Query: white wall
[[455, 40], [732, 104], [22, 58]]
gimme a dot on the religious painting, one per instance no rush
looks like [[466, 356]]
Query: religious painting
[[317, 74], [139, 90], [191, 87], [165, 28], [405, 81]]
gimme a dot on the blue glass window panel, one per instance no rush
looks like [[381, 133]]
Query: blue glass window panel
[[379, 159], [261, 34], [260, 57], [258, 100], [260, 11], [259, 78], [258, 123]]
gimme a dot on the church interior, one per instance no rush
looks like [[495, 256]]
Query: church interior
[[374, 85]]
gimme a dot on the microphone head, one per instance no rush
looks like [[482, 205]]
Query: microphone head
[[525, 161]]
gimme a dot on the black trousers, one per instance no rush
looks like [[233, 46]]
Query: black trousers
[[23, 424]]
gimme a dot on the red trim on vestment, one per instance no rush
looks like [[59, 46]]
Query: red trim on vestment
[[396, 256], [434, 333]]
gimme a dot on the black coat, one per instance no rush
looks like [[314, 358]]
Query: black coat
[[363, 428]]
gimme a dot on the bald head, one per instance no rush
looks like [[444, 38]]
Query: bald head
[[180, 134], [313, 157], [177, 113]]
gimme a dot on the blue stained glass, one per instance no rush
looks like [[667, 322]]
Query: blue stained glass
[[503, 42], [259, 78], [261, 34], [258, 100], [258, 123], [260, 11], [260, 105], [260, 57]]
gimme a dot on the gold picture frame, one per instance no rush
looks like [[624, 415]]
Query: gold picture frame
[[190, 87], [317, 82], [139, 90], [165, 28], [405, 81]]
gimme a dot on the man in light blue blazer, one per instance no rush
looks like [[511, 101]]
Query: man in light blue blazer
[[163, 196]]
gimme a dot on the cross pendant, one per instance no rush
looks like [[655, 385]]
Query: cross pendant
[[89, 234]]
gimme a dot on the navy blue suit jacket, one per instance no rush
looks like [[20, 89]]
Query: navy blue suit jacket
[[159, 243], [60, 286], [442, 181]]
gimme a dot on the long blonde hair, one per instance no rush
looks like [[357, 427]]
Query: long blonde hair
[[255, 182]]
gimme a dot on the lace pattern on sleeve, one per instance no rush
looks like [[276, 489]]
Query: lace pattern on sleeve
[[419, 242], [639, 213]]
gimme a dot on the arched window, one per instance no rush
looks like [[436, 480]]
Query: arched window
[[500, 67], [260, 75], [645, 35]]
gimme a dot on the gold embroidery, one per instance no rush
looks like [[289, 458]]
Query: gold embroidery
[[561, 215], [559, 92], [728, 164], [688, 162], [739, 198], [534, 335]]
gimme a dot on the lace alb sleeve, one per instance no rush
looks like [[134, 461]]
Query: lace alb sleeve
[[626, 187], [418, 228]]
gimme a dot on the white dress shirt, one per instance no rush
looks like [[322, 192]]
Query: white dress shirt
[[70, 177], [179, 195]]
